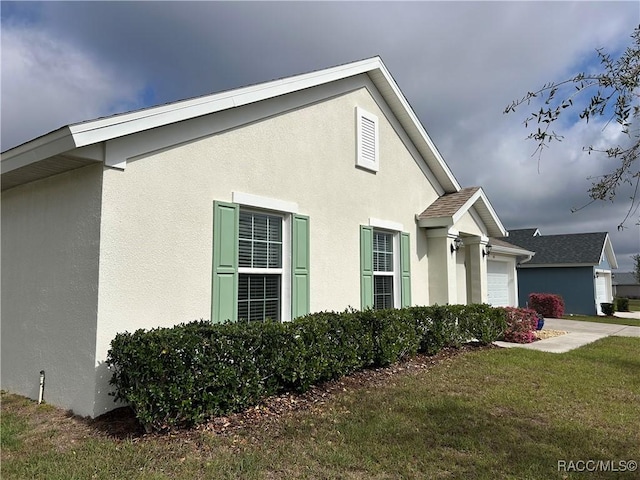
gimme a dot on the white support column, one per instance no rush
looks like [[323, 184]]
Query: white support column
[[477, 268], [443, 282]]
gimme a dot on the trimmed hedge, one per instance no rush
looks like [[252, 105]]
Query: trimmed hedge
[[547, 304], [622, 304], [185, 374], [608, 309]]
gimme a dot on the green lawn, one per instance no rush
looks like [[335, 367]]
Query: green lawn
[[634, 304], [484, 414], [634, 322]]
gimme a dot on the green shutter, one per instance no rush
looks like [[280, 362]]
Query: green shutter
[[405, 270], [300, 288], [224, 296], [366, 267]]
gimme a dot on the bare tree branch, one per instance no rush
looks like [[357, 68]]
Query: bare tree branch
[[617, 96]]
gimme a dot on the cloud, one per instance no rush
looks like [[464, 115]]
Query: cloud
[[47, 84], [458, 63]]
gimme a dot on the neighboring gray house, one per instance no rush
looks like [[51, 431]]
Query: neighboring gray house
[[626, 285], [575, 266]]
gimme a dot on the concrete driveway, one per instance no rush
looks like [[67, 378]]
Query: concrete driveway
[[580, 333]]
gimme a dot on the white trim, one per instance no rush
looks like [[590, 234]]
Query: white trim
[[607, 249], [512, 251], [471, 202], [385, 224], [284, 271], [251, 200], [395, 274]]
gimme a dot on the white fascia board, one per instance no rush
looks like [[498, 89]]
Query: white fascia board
[[607, 250], [486, 204], [129, 123], [490, 214], [511, 251], [46, 146], [467, 205]]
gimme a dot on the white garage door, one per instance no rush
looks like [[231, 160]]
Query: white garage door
[[498, 283], [601, 291]]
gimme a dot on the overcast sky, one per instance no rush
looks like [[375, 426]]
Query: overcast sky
[[459, 64]]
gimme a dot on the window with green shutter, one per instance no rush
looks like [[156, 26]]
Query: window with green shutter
[[260, 264], [385, 274]]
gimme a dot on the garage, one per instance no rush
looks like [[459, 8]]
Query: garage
[[498, 283], [602, 281]]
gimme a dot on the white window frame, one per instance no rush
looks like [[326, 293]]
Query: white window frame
[[362, 159], [285, 270], [397, 294]]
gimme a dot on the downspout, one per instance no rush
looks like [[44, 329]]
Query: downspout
[[41, 392]]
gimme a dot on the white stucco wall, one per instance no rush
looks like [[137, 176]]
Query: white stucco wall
[[156, 244], [50, 246], [467, 225]]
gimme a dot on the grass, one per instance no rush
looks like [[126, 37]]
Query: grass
[[633, 322], [484, 414], [634, 304]]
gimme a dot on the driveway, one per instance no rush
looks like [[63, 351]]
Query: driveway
[[580, 333]]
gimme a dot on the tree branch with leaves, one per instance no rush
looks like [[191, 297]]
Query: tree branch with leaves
[[615, 96]]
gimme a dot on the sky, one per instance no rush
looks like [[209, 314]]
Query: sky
[[459, 64]]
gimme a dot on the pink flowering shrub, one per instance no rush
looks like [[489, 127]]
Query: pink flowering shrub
[[521, 325], [548, 305]]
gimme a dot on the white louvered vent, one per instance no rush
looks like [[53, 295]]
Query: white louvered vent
[[367, 130]]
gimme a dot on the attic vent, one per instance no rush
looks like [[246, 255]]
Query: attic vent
[[367, 131]]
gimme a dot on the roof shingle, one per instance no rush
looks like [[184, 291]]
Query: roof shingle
[[572, 248], [448, 204]]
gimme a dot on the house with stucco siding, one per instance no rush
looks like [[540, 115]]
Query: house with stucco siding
[[320, 191]]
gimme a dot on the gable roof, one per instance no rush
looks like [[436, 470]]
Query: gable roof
[[572, 249], [449, 208], [79, 144], [523, 233]]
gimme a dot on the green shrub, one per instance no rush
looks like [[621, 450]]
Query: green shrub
[[607, 309], [185, 374], [394, 335], [484, 323], [188, 373], [622, 304]]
